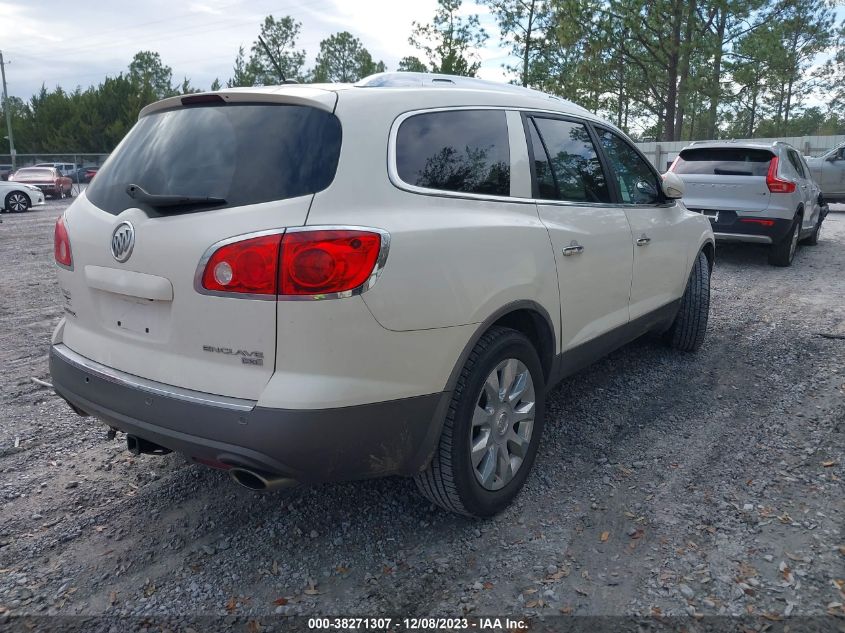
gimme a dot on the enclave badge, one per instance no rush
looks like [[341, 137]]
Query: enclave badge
[[122, 241]]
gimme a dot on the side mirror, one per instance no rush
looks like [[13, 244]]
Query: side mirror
[[673, 186]]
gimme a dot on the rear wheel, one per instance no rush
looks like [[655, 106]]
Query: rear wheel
[[690, 324], [17, 202], [492, 429], [783, 253]]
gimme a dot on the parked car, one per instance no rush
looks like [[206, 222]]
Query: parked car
[[828, 171], [47, 179], [65, 169], [762, 193], [358, 317], [5, 171], [83, 175], [17, 197]]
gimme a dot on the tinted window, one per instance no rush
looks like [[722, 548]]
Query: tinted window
[[635, 178], [460, 150], [796, 162], [245, 154], [723, 161], [546, 187], [574, 163]]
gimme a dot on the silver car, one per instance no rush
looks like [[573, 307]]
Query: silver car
[[753, 192], [829, 171]]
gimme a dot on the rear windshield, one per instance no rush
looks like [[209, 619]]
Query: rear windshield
[[242, 153], [34, 172], [723, 161]]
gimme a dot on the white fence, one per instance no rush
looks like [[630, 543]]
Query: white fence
[[661, 154]]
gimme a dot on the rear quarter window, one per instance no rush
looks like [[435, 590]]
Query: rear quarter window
[[242, 153], [464, 151], [718, 161]]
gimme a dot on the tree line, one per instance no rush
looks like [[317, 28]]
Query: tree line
[[670, 69]]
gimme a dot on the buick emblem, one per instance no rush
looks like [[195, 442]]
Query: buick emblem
[[122, 241]]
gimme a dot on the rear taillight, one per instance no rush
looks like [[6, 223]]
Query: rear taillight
[[327, 261], [311, 262], [674, 162], [775, 183], [61, 245], [246, 267]]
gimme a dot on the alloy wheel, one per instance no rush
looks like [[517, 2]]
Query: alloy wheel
[[17, 202], [502, 424]]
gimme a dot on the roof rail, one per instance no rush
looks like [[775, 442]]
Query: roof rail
[[423, 80]]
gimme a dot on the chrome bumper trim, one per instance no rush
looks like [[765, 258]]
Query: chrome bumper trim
[[150, 386], [739, 237]]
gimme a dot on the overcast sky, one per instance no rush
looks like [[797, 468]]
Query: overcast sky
[[73, 44]]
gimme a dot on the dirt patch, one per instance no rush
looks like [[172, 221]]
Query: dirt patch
[[667, 483]]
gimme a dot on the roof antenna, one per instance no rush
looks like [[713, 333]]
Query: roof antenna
[[275, 63]]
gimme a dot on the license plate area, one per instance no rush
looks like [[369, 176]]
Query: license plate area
[[135, 316]]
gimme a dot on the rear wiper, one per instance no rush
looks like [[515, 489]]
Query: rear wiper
[[169, 200]]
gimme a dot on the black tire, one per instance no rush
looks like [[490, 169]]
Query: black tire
[[783, 253], [813, 238], [690, 325], [70, 192], [14, 200], [450, 479]]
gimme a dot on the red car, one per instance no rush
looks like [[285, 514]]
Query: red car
[[48, 179]]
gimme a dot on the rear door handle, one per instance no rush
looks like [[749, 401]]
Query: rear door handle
[[643, 241], [573, 249]]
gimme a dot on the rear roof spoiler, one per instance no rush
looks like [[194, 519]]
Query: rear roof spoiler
[[289, 93]]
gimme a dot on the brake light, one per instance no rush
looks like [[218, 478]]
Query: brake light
[[674, 162], [61, 245], [327, 261], [759, 221], [296, 263], [776, 184], [246, 267]]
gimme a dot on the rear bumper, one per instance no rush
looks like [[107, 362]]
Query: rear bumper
[[45, 187], [729, 227], [386, 438]]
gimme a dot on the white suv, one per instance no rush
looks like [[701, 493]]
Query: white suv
[[328, 282]]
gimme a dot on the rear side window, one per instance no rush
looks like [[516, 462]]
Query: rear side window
[[796, 162], [723, 161], [465, 151], [242, 153], [572, 161]]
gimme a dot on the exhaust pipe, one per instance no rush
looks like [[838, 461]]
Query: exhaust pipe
[[138, 445], [258, 481]]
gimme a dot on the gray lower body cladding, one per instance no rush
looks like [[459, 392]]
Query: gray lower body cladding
[[385, 438]]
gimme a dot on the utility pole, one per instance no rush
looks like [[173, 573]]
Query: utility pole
[[7, 110]]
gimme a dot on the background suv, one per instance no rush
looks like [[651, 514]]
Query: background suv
[[319, 283], [829, 172], [753, 192]]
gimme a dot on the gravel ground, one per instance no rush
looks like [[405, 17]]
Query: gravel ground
[[667, 484]]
